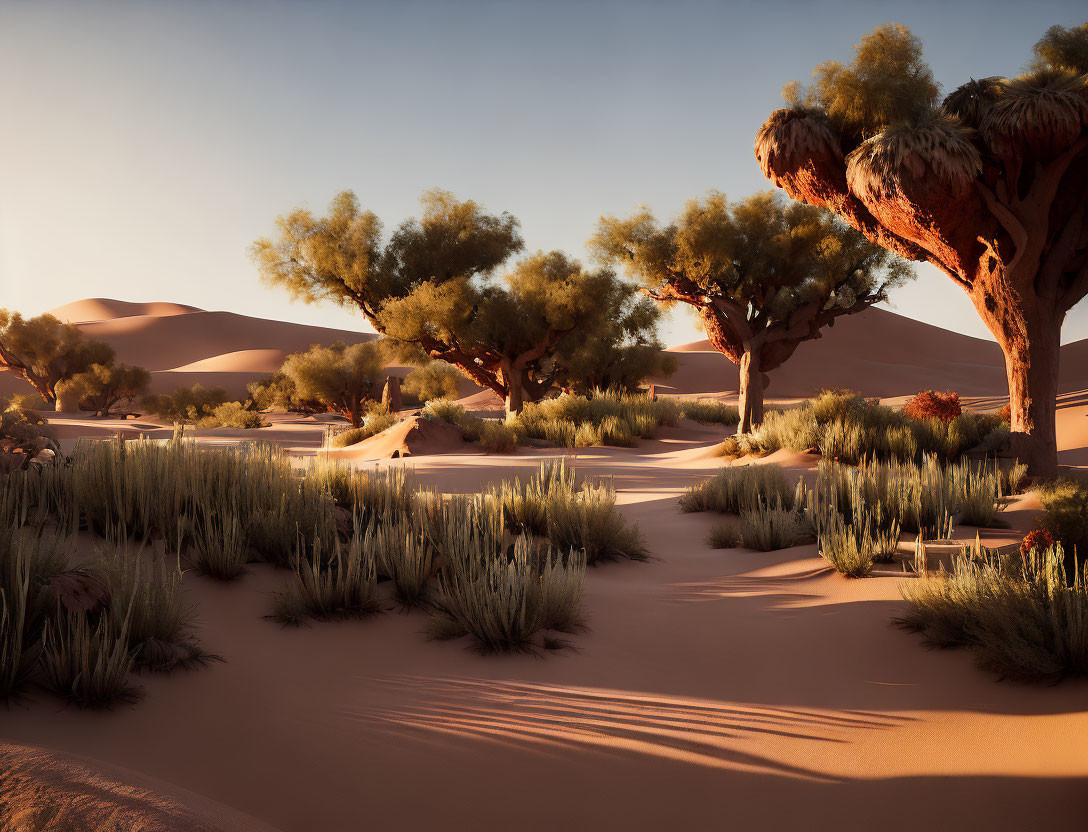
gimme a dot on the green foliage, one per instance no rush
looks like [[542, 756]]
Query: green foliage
[[104, 386], [276, 390], [708, 412], [1020, 615], [1063, 48], [608, 417], [232, 415], [434, 380], [338, 377], [497, 437], [888, 84], [20, 402], [185, 404], [43, 351]]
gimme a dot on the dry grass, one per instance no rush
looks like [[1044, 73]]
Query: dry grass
[[88, 663], [330, 583], [739, 488]]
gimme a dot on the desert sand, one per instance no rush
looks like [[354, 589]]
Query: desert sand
[[712, 689]]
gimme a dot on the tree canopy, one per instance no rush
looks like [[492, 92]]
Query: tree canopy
[[43, 351], [434, 284], [342, 378], [103, 386], [433, 380], [764, 274], [987, 185]]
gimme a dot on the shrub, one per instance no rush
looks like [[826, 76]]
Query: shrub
[[403, 554], [221, 546], [434, 380], [1024, 620], [89, 664], [739, 488], [765, 528], [502, 601], [525, 505], [848, 547], [185, 404], [608, 417], [327, 586], [932, 405], [28, 401], [231, 415], [723, 536], [589, 520], [159, 622], [709, 412], [1065, 513], [1036, 539], [497, 437]]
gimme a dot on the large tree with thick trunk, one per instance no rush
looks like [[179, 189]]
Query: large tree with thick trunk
[[764, 275], [988, 186], [433, 286]]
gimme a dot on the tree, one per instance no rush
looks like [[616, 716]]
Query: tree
[[431, 285], [988, 186], [622, 352], [105, 385], [763, 274], [43, 351], [275, 390], [341, 378], [434, 380]]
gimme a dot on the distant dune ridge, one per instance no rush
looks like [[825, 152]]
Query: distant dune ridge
[[876, 352]]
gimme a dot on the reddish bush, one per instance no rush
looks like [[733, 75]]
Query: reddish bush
[[1005, 413], [1036, 539], [933, 405]]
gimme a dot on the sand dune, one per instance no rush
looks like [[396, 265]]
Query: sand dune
[[878, 353], [104, 309], [239, 361]]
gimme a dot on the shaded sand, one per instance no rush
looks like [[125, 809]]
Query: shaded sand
[[712, 690], [414, 436]]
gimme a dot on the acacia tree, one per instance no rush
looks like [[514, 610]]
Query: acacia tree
[[763, 274], [988, 186], [432, 380], [44, 351], [340, 378], [103, 386], [431, 285], [619, 354]]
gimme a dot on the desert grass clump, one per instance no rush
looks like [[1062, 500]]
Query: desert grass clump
[[1021, 616], [848, 547], [403, 554], [525, 504], [709, 412], [769, 527], [497, 437], [332, 581], [607, 417], [723, 536], [504, 599], [589, 520], [220, 548], [16, 653], [738, 488], [1065, 514], [87, 662]]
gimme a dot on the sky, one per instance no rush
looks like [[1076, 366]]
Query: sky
[[145, 145]]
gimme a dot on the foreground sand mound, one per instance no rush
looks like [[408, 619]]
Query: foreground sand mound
[[239, 361], [43, 790], [414, 436]]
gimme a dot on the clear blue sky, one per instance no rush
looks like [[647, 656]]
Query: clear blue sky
[[144, 145]]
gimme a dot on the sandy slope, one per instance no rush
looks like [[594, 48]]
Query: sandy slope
[[104, 309], [713, 689]]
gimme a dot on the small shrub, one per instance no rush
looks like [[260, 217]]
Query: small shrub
[[1065, 514], [932, 405], [848, 548], [497, 437], [1036, 539], [185, 404], [232, 415], [28, 401], [89, 664], [766, 528], [221, 546], [1023, 619], [723, 536], [738, 488], [709, 412], [405, 556], [589, 520], [502, 601], [373, 424], [327, 586]]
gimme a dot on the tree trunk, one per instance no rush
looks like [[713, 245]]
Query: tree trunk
[[1033, 390], [391, 397], [355, 413], [515, 396], [752, 383]]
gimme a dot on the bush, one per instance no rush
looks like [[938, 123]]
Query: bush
[[1065, 515], [503, 601], [185, 404], [28, 401], [497, 437], [589, 520], [849, 428], [709, 412], [1021, 616], [434, 380], [329, 587], [766, 528], [739, 488], [723, 536], [88, 664], [404, 555], [608, 417], [932, 405], [222, 549], [231, 415]]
